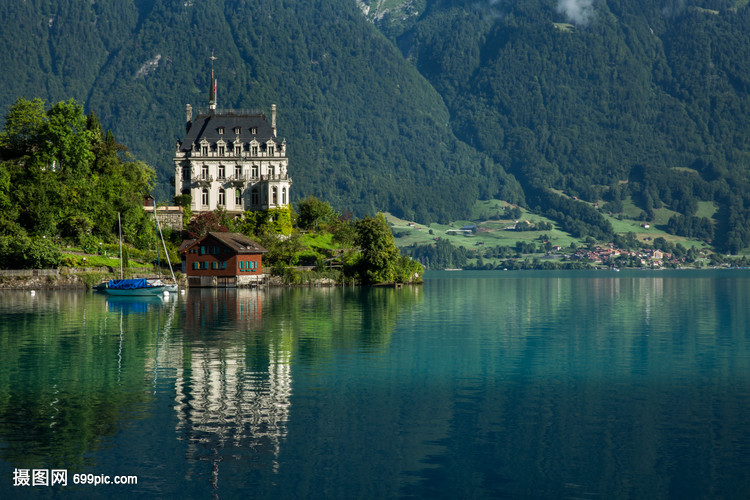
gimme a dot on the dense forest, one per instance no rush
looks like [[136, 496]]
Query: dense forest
[[423, 107], [365, 130], [63, 178], [598, 101]]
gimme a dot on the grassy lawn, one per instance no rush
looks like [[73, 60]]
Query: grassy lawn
[[488, 217], [321, 241], [78, 260], [491, 233], [706, 209], [564, 27]]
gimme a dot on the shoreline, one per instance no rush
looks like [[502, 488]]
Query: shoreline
[[67, 279]]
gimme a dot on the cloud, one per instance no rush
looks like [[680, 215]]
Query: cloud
[[493, 8], [578, 12]]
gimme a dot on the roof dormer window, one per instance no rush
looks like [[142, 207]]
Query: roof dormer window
[[253, 130], [237, 130], [221, 130]]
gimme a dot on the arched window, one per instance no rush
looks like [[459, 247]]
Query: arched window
[[275, 196], [222, 197], [283, 196], [204, 197]]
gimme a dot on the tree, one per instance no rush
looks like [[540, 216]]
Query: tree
[[311, 212], [380, 260], [62, 176], [206, 222], [271, 221]]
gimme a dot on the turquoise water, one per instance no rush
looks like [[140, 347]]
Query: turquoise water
[[475, 385]]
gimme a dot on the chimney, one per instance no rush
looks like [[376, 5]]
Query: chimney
[[273, 119], [189, 113]]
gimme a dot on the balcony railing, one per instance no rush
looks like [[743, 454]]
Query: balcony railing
[[232, 153], [275, 177], [203, 180], [238, 180]]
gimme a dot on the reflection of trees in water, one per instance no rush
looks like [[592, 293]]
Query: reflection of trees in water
[[328, 319], [584, 386], [69, 368], [71, 365], [234, 379]]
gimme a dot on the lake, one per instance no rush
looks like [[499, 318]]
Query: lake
[[524, 385]]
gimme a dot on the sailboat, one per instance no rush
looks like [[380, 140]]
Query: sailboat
[[142, 286]]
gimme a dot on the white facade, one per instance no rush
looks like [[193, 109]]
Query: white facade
[[234, 160]]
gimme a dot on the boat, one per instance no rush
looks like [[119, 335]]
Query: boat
[[140, 286], [136, 286]]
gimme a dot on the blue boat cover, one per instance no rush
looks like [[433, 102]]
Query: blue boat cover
[[130, 284]]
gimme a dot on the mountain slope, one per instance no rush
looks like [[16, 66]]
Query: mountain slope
[[535, 101], [600, 100], [364, 129]]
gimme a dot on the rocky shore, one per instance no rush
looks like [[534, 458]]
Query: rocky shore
[[83, 281], [68, 281]]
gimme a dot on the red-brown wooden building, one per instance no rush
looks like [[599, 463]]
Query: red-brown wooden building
[[222, 260]]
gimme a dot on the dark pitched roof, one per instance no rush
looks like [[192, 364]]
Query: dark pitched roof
[[207, 125], [185, 245], [238, 242]]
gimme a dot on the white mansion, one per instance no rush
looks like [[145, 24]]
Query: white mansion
[[231, 158]]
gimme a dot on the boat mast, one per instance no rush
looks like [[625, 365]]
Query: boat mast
[[158, 227], [158, 256], [119, 226]]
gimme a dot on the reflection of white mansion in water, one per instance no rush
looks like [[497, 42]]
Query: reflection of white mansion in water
[[229, 397], [223, 404]]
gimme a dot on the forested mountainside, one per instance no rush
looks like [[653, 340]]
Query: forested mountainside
[[421, 107], [365, 131], [597, 100]]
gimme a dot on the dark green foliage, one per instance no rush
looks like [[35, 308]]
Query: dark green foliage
[[485, 100], [693, 227], [365, 130], [275, 221], [312, 212], [441, 255], [184, 201], [62, 178], [20, 251], [379, 260], [640, 89]]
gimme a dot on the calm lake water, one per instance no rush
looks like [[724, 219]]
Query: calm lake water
[[476, 385]]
